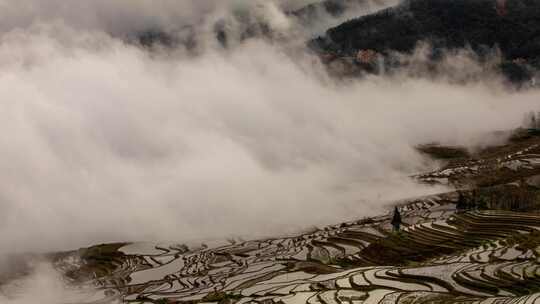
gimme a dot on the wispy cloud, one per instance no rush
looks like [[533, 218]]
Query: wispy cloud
[[103, 141]]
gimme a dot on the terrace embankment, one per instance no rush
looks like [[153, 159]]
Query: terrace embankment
[[472, 245]]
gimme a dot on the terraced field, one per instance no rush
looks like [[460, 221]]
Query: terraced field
[[441, 256], [491, 167], [443, 253]]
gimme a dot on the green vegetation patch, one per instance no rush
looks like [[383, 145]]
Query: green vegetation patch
[[443, 152], [97, 260]]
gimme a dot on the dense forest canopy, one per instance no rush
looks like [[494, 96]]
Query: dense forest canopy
[[511, 26]]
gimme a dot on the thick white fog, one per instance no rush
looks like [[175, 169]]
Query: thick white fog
[[105, 141], [45, 286]]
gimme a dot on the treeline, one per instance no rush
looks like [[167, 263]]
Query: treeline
[[522, 197], [446, 24]]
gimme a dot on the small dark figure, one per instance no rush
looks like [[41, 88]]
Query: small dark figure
[[396, 220], [461, 204]]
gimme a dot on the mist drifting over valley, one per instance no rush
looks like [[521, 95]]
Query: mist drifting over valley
[[107, 139]]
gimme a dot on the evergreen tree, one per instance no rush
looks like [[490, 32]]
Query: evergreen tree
[[396, 220], [461, 204]]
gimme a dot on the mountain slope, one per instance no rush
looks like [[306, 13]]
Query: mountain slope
[[463, 246], [512, 26]]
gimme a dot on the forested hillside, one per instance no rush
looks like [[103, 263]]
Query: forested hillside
[[511, 26]]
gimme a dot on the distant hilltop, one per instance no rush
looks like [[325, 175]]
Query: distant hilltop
[[484, 27]]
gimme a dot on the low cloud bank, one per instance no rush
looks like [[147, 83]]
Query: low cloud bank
[[45, 285], [104, 141]]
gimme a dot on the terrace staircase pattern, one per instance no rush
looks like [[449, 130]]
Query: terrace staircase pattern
[[479, 259], [442, 255]]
